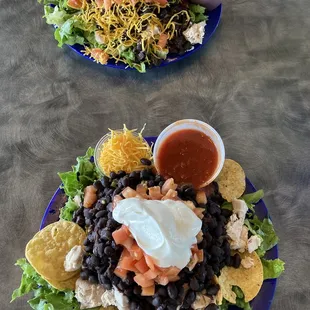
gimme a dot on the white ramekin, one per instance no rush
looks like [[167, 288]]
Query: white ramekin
[[197, 125]]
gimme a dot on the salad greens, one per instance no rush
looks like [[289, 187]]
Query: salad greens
[[45, 296], [161, 33], [272, 268]]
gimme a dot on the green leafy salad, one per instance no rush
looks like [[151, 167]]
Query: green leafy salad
[[138, 33]]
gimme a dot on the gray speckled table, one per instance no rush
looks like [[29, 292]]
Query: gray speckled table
[[252, 83]]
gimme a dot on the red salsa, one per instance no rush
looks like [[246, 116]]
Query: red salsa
[[188, 156]]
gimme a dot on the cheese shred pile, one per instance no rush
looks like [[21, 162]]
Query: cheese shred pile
[[125, 24], [123, 150]]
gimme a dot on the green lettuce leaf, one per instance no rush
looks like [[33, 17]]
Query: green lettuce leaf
[[129, 55], [82, 175], [197, 13], [66, 213], [272, 268], [265, 230], [55, 16]]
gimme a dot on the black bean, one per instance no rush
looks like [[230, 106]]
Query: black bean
[[236, 259], [121, 173], [110, 207], [112, 175], [121, 286], [88, 214], [212, 307], [172, 290], [108, 251], [216, 269], [93, 279], [190, 192], [213, 208], [162, 291], [137, 290], [84, 274], [129, 279], [94, 261], [209, 272], [145, 161], [102, 213], [213, 289], [161, 183], [112, 223], [151, 183], [171, 307], [201, 274], [105, 235], [190, 297], [156, 301], [145, 174], [158, 178], [80, 221], [216, 251], [128, 291], [227, 213], [102, 223], [194, 285], [218, 231], [117, 191], [98, 186], [110, 216]]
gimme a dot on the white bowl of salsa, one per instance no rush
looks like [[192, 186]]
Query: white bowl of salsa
[[190, 151]]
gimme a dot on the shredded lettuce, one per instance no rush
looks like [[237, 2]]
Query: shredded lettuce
[[272, 268], [197, 13], [265, 230], [82, 175], [66, 213], [55, 16]]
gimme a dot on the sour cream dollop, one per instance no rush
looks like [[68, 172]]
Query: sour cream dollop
[[163, 229]]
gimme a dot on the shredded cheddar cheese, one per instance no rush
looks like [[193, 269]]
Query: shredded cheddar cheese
[[124, 24], [123, 151]]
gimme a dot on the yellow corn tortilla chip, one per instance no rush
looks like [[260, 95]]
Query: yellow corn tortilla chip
[[47, 250], [231, 180], [249, 280], [64, 285]]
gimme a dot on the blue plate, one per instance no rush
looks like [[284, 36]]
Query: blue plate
[[214, 17], [261, 302]]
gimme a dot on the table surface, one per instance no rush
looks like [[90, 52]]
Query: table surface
[[251, 82]]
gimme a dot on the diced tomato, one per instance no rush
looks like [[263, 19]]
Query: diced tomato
[[150, 262], [209, 189], [142, 266], [75, 4], [141, 280], [128, 192], [90, 196], [148, 291], [194, 248], [200, 256], [99, 3], [190, 204], [99, 55], [163, 38], [155, 193], [172, 271], [162, 280], [118, 1], [136, 252], [120, 235], [169, 184], [107, 4], [151, 274], [161, 2], [199, 212], [122, 273], [141, 190], [128, 243], [116, 199], [201, 197], [172, 195], [192, 263]]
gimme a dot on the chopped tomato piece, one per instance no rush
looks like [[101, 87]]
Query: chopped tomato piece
[[141, 190], [172, 194], [190, 204], [161, 2], [162, 280], [199, 212], [142, 266], [141, 280], [150, 262], [128, 243], [151, 274], [163, 38], [148, 291], [116, 199], [120, 235], [136, 252], [200, 256], [90, 196], [169, 184], [172, 271], [155, 193], [173, 278], [107, 4], [121, 273], [128, 192], [194, 248], [201, 197], [118, 1], [192, 263], [75, 4], [127, 263], [99, 3]]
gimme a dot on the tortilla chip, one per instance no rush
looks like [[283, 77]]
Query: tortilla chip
[[64, 285], [249, 280], [47, 250], [231, 180]]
